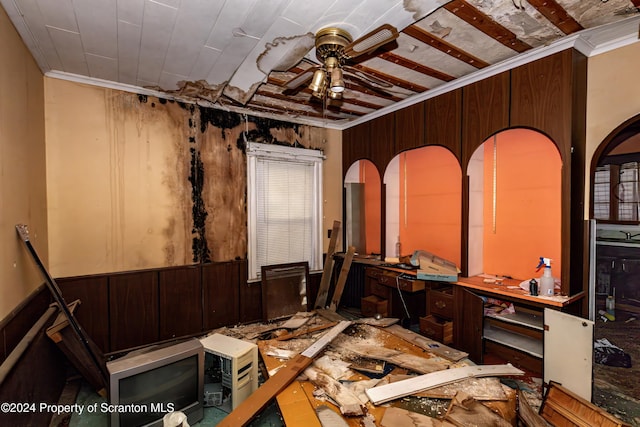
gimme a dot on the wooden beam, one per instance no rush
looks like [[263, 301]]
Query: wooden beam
[[342, 279], [323, 290], [486, 24], [258, 400], [444, 46]]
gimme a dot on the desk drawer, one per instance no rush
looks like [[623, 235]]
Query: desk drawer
[[379, 290], [441, 303]]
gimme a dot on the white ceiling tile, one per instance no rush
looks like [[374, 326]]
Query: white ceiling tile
[[102, 67], [170, 81], [69, 48], [129, 36], [306, 15], [157, 23], [248, 73], [169, 3], [27, 19], [232, 56], [98, 26], [190, 33], [262, 15], [366, 14], [232, 15], [130, 11], [59, 14], [206, 59]]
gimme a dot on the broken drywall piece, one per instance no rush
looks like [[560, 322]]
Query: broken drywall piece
[[465, 410], [395, 390], [348, 402], [395, 417]]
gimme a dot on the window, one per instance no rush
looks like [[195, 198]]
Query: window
[[616, 192], [284, 206]]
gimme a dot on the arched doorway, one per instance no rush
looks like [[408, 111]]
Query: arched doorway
[[614, 206]]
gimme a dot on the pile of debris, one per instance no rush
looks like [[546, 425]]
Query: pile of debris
[[369, 372]]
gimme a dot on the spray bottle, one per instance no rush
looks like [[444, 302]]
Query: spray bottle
[[547, 284]]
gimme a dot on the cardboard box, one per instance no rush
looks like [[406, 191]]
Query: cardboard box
[[372, 305], [437, 329], [433, 267]]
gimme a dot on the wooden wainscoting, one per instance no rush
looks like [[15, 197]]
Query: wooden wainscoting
[[125, 310]]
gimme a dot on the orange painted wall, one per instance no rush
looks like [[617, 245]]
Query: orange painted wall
[[528, 197], [372, 200], [433, 210]]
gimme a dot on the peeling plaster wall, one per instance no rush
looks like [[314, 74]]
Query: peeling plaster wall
[[613, 97], [22, 168], [137, 182]]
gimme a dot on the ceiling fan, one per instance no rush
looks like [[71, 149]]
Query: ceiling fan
[[335, 48]]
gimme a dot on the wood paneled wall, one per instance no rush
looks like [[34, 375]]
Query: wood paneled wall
[[547, 95], [125, 310]]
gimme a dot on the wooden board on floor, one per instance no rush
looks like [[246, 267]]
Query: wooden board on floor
[[427, 344], [561, 406], [342, 278], [325, 280]]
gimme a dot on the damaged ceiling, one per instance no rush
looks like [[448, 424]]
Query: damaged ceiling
[[239, 55]]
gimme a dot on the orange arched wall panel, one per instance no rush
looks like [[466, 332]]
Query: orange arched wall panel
[[430, 202], [372, 200], [527, 204]]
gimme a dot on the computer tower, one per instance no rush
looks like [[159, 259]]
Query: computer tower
[[231, 371]]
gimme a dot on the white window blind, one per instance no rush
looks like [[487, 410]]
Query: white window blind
[[284, 206]]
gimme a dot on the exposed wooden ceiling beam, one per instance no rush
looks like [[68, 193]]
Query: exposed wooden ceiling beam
[[484, 23], [343, 108], [557, 15], [428, 71], [443, 46], [391, 79]]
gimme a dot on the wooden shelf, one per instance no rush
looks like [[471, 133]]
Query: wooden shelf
[[515, 340], [521, 318]]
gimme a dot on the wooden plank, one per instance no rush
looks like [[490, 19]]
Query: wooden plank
[[323, 290], [563, 407], [342, 279], [305, 331], [295, 407], [387, 392], [258, 400], [427, 344]]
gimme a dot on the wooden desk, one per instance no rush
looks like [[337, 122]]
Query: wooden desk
[[511, 289]]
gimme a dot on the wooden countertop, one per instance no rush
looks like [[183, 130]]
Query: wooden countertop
[[511, 288]]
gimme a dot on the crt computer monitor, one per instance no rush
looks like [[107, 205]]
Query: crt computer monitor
[[147, 384]]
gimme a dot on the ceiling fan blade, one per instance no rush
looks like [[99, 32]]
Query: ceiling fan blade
[[371, 41], [363, 75], [300, 79]]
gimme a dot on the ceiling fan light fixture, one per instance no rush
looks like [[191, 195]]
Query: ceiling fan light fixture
[[334, 95], [337, 82], [317, 82]]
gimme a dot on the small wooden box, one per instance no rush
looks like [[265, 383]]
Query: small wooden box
[[437, 329], [372, 305]]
